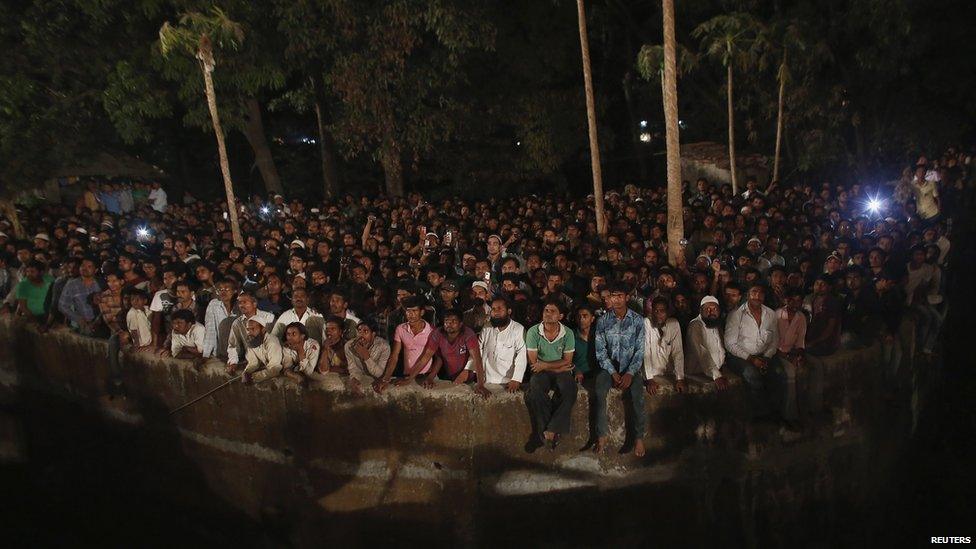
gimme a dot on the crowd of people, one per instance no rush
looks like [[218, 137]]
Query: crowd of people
[[505, 294]]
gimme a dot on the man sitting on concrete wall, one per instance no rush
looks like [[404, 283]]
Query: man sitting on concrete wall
[[790, 355], [264, 355], [620, 354], [502, 344], [705, 353], [186, 339], [663, 349], [751, 338]]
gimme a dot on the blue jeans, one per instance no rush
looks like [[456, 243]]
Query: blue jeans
[[603, 383]]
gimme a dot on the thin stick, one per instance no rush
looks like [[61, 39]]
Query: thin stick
[[208, 393]]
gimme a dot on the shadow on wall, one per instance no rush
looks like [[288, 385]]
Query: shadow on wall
[[275, 465], [82, 480]]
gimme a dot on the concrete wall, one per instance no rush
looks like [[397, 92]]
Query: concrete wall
[[418, 464]]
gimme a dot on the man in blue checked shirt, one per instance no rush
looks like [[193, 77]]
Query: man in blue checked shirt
[[620, 354]]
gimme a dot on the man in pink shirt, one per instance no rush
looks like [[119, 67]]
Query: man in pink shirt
[[452, 348], [411, 338], [789, 352]]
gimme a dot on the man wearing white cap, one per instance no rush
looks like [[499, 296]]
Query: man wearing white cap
[[264, 354], [705, 353], [497, 251], [237, 341], [42, 241], [478, 316]]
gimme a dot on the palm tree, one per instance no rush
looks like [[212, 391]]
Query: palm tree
[[676, 221], [777, 41], [601, 221], [195, 35], [650, 62], [731, 39], [9, 210]]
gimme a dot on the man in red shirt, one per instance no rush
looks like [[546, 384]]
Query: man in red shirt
[[452, 346]]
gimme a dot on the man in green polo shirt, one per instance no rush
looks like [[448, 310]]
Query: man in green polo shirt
[[32, 291], [549, 346]]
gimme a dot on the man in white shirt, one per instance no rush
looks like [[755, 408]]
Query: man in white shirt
[[751, 339], [264, 355], [502, 345], [157, 198], [137, 321], [662, 349], [186, 340], [300, 312], [705, 353], [925, 185], [237, 341]]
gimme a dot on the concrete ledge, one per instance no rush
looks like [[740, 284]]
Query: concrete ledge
[[324, 448], [447, 415]]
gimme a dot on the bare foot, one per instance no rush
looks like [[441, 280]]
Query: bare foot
[[355, 387], [639, 450], [601, 446]]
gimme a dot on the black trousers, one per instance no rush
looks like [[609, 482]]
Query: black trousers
[[551, 414]]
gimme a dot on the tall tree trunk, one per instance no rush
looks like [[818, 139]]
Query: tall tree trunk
[[779, 117], [327, 147], [392, 166], [676, 221], [254, 131], [9, 210], [601, 220], [206, 66], [728, 79]]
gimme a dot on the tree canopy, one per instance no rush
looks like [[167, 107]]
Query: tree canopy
[[473, 95]]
